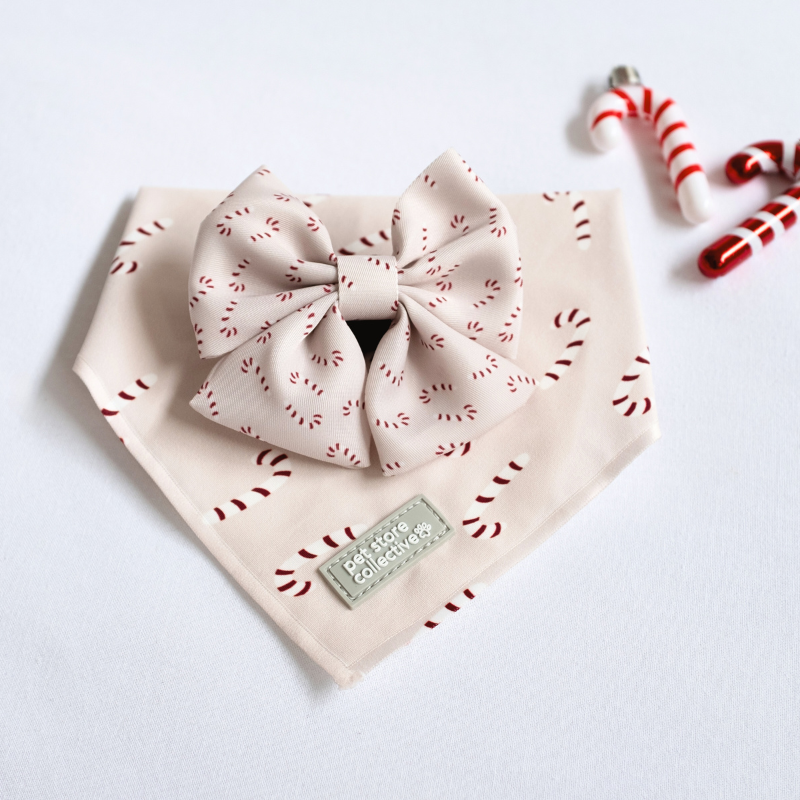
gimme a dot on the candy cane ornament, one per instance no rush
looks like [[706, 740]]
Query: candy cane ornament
[[472, 519], [628, 98], [281, 467], [771, 221], [285, 576]]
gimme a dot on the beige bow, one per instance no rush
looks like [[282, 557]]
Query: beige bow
[[267, 289]]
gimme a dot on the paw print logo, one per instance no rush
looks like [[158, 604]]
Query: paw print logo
[[422, 529]]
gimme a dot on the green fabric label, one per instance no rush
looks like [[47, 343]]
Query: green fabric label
[[390, 548]]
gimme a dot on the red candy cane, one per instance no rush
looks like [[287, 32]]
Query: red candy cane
[[628, 98], [771, 221]]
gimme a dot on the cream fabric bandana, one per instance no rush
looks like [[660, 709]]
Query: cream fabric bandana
[[267, 288], [272, 517]]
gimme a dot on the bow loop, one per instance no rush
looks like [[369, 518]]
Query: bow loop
[[267, 289], [367, 287]]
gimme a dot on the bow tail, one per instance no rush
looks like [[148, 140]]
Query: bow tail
[[431, 389], [297, 386]]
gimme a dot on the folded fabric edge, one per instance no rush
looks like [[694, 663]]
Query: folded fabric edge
[[342, 674]]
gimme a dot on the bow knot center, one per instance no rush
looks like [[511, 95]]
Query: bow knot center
[[367, 287]]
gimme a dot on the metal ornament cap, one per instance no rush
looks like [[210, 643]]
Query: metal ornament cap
[[624, 76]]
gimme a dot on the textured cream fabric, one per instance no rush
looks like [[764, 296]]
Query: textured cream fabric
[[267, 288], [271, 517]]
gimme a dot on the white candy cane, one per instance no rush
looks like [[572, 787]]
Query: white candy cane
[[628, 98], [281, 467], [580, 320], [372, 242], [129, 394], [138, 235], [284, 575], [580, 216], [472, 519], [456, 604], [622, 401]]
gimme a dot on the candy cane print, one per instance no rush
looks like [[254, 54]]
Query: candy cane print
[[622, 401], [140, 234], [628, 98], [281, 467], [580, 320], [284, 575], [459, 449], [580, 216], [129, 394], [366, 243], [472, 519], [456, 604], [771, 221]]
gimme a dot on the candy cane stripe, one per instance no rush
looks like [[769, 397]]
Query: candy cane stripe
[[118, 265], [621, 400], [366, 243], [680, 156], [257, 493], [580, 216], [331, 541], [767, 224], [472, 519], [129, 394], [751, 236], [454, 604], [578, 319]]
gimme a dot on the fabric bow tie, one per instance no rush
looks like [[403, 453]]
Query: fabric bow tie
[[267, 289]]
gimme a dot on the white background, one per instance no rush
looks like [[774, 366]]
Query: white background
[[651, 649]]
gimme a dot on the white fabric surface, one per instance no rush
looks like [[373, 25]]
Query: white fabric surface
[[649, 649]]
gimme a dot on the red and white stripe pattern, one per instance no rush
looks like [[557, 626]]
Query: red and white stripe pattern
[[450, 608], [129, 394], [580, 216], [119, 263], [459, 449], [286, 579], [580, 321], [281, 470], [623, 400], [686, 173], [764, 157], [378, 240], [472, 519], [771, 221]]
